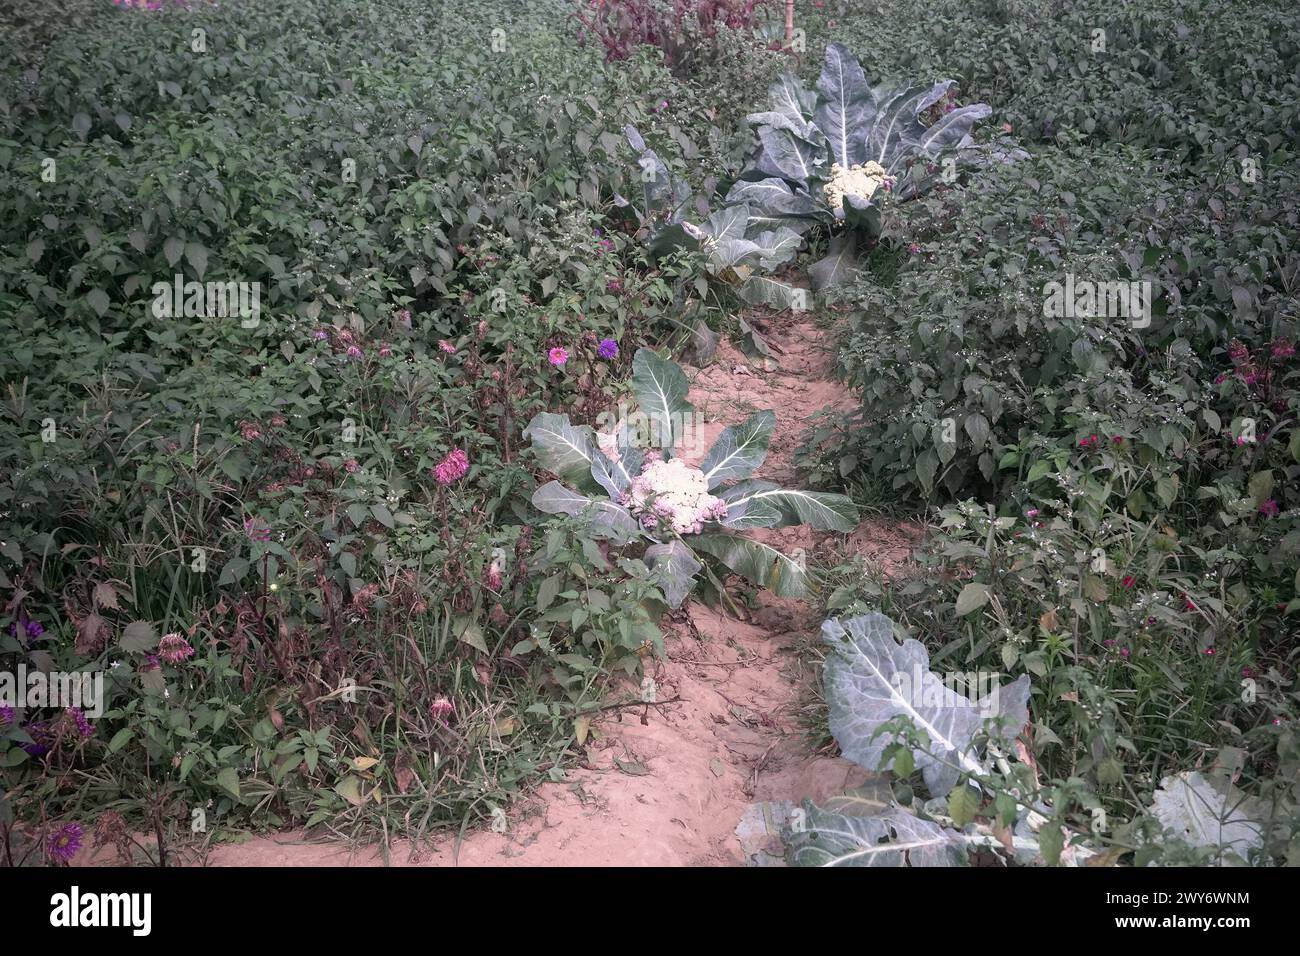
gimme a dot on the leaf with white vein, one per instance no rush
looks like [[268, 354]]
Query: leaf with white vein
[[740, 449], [555, 499], [561, 447], [871, 679], [660, 387], [893, 839], [820, 510], [762, 565], [676, 567]]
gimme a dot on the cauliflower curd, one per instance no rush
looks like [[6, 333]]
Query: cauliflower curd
[[858, 180], [676, 493]]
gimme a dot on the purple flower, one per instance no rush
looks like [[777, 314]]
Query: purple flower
[[39, 731], [1269, 508], [32, 629], [608, 349], [6, 715], [256, 531], [64, 842], [84, 726], [355, 353]]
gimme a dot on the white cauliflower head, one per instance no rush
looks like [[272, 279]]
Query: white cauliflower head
[[858, 180], [675, 493]]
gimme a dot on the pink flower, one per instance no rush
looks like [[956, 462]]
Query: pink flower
[[441, 709], [355, 353], [1283, 349], [446, 346], [173, 649], [557, 357], [256, 531], [1269, 508], [351, 466], [914, 248], [451, 468]]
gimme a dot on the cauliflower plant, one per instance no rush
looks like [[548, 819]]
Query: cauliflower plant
[[677, 516], [676, 493]]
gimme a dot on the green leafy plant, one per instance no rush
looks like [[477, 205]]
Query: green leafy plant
[[676, 532]]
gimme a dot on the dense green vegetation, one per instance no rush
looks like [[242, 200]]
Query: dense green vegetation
[[299, 542], [1118, 511]]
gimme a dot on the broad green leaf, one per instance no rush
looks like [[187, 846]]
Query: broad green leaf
[[758, 563], [561, 447], [844, 106], [675, 567], [139, 636], [972, 597], [870, 679], [739, 450], [895, 838], [820, 510], [660, 387], [837, 266]]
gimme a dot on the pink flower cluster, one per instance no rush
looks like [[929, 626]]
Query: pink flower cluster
[[452, 468]]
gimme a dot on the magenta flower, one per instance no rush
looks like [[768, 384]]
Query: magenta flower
[[1283, 349], [914, 248], [446, 346], [451, 468], [557, 357], [64, 842], [173, 649], [1269, 508], [355, 353], [256, 530]]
